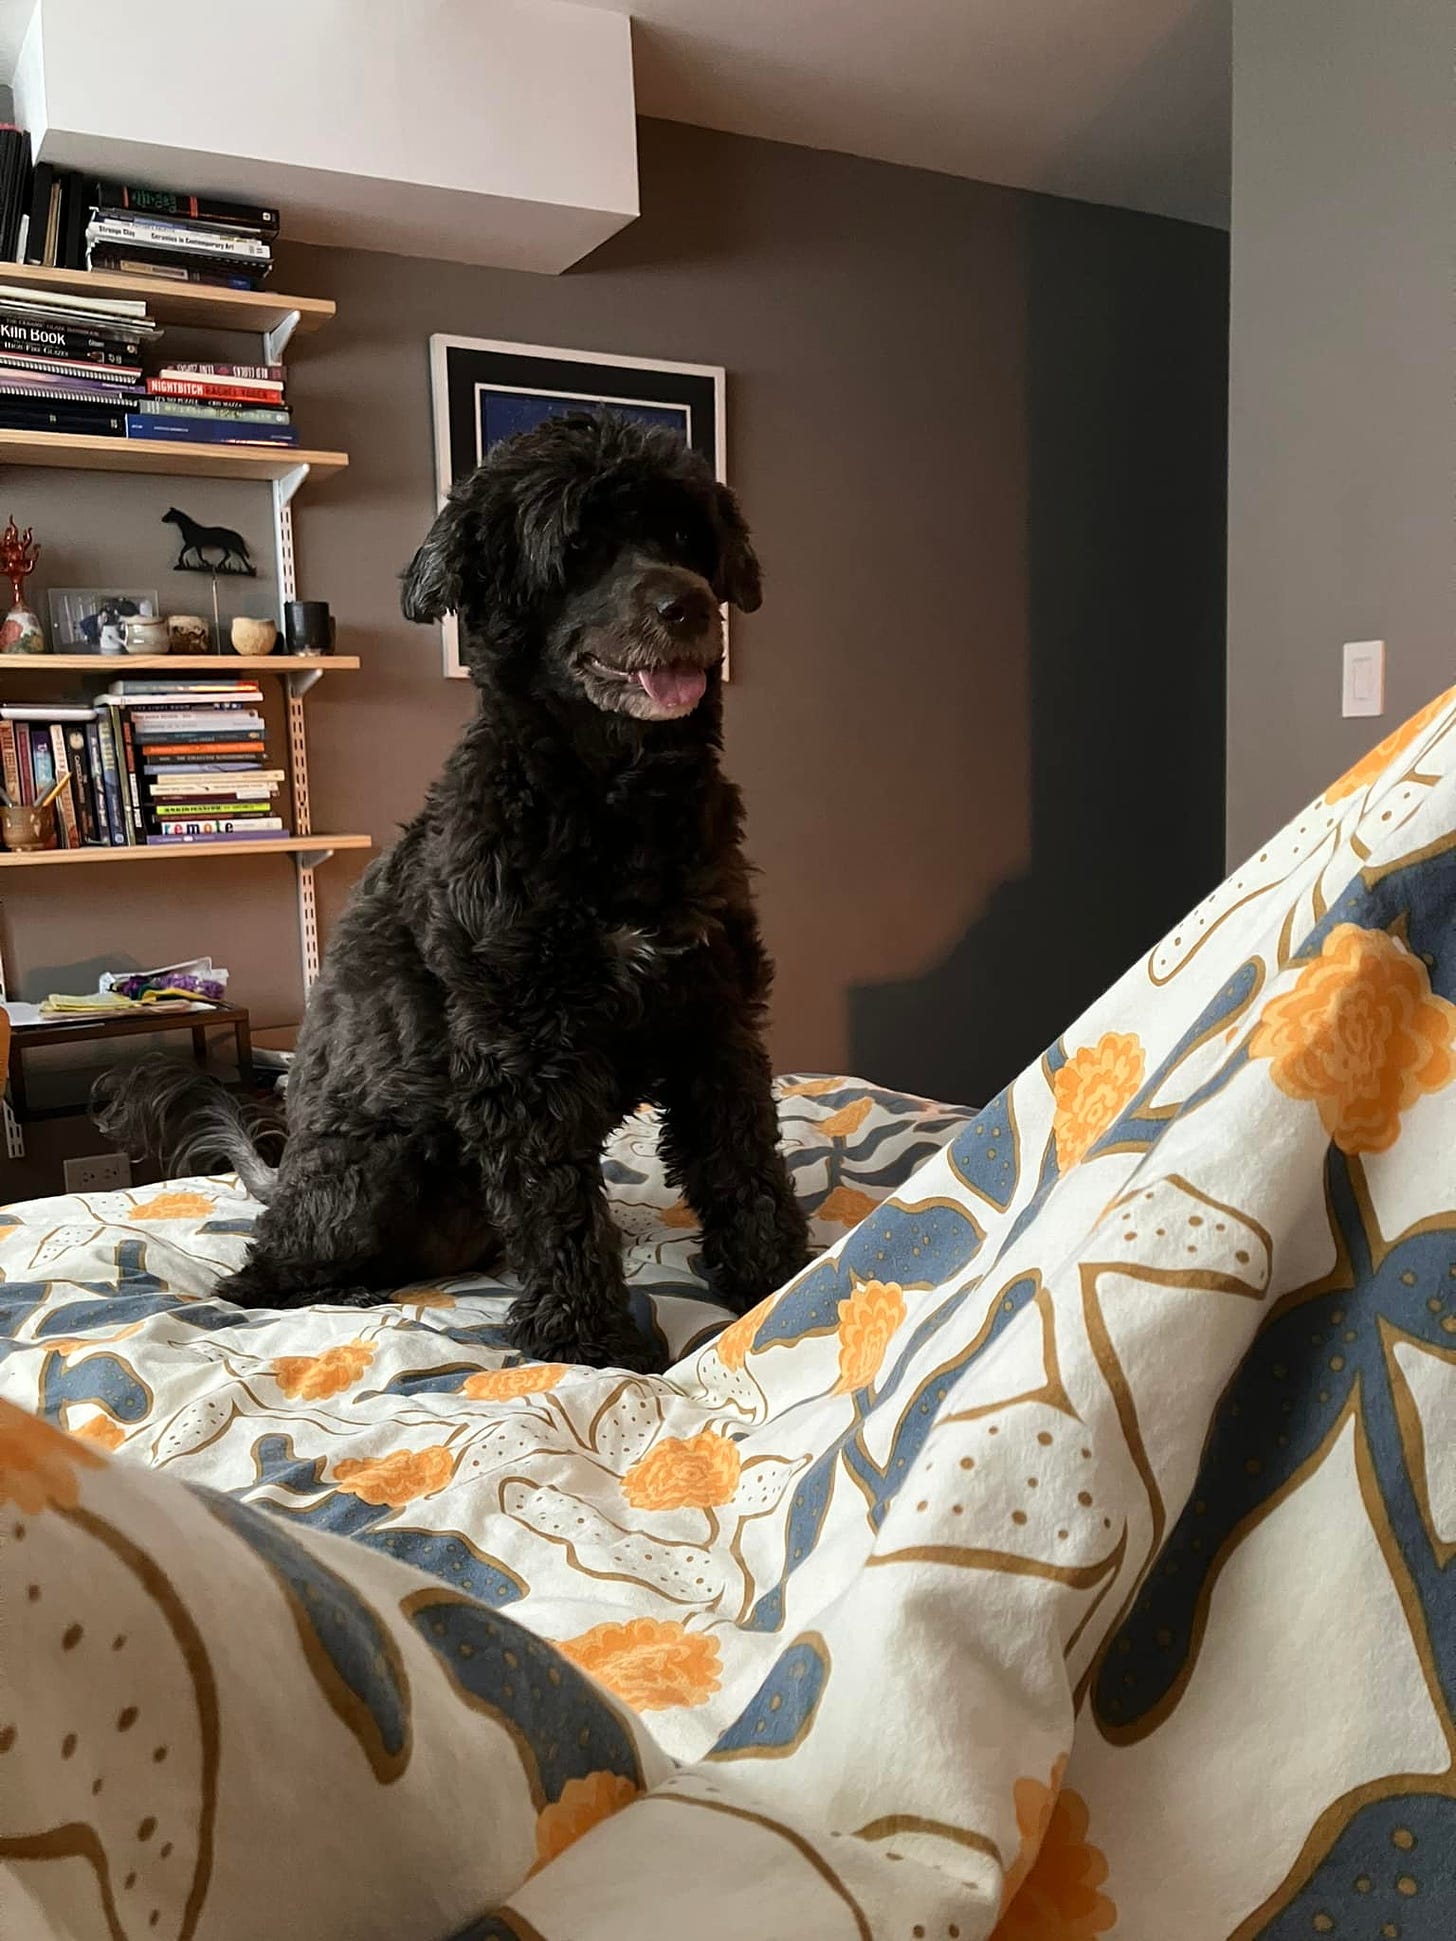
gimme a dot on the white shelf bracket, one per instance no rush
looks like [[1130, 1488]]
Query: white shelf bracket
[[275, 341]]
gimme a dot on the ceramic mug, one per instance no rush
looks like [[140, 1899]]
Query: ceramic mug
[[308, 627], [28, 827], [145, 633]]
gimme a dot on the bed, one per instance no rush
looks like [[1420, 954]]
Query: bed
[[1065, 1552]]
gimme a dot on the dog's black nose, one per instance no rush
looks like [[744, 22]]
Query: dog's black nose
[[684, 611]]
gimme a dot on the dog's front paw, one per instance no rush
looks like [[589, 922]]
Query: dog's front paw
[[611, 1340]]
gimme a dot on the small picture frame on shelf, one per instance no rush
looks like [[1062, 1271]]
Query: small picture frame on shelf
[[90, 619]]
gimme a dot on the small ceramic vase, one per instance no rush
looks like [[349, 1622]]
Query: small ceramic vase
[[145, 633], [22, 633]]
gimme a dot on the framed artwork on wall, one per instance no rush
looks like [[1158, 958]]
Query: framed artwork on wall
[[484, 390]]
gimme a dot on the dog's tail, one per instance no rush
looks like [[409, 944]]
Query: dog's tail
[[184, 1119]]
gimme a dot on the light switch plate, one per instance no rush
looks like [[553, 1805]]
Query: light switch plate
[[1363, 687]]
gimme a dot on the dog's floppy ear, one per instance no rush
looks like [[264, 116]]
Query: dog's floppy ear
[[433, 583], [738, 580]]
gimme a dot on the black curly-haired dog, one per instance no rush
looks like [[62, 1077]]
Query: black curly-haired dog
[[563, 932]]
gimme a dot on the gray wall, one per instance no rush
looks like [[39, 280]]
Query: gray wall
[[979, 435], [1342, 413]]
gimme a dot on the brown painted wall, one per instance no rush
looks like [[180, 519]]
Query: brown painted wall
[[877, 324]]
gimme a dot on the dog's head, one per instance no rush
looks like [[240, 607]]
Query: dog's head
[[588, 558]]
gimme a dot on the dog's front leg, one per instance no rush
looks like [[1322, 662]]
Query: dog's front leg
[[720, 1142], [551, 1207]]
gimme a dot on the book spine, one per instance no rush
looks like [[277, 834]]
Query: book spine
[[259, 373], [164, 808], [62, 340], [154, 751], [66, 800], [78, 761], [99, 796], [218, 273], [23, 763], [9, 766], [133, 783], [183, 237], [232, 414], [215, 391], [203, 431], [111, 777], [132, 200], [42, 761], [196, 832], [87, 420]]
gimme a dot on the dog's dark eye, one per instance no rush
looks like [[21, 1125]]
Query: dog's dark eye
[[682, 541]]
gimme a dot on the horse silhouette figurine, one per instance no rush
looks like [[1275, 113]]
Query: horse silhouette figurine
[[198, 541]]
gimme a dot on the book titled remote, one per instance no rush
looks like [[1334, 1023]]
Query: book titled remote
[[220, 835]]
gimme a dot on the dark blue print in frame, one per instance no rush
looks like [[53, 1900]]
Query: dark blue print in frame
[[485, 390]]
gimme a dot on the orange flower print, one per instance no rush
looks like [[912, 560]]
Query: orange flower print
[[101, 1430], [844, 1123], [584, 1803], [845, 1206], [1361, 1034], [174, 1206], [38, 1464], [1050, 1892], [505, 1384], [313, 1378], [737, 1338], [679, 1214], [1385, 752], [398, 1478], [684, 1473], [810, 1088], [651, 1664], [1091, 1089], [867, 1319], [427, 1297]]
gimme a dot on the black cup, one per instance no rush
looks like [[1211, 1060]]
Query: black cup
[[308, 627]]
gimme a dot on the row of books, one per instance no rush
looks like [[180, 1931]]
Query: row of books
[[66, 361], [75, 364], [154, 762], [65, 219]]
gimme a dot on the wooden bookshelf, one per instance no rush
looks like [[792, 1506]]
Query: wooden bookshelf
[[225, 666], [79, 452], [183, 851], [274, 318], [198, 304]]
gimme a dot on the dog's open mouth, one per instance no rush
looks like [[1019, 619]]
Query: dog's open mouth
[[672, 689]]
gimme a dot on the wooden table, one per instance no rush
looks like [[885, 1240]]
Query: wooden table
[[124, 1024]]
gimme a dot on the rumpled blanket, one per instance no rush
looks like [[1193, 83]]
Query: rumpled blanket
[[1065, 1553]]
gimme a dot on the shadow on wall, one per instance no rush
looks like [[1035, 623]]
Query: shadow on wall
[[1126, 382]]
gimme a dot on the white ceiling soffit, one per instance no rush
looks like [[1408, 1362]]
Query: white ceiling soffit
[[1120, 101], [469, 131]]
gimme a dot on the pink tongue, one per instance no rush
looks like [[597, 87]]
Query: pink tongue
[[674, 687]]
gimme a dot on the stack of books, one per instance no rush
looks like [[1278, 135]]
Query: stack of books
[[43, 740], [191, 761], [70, 363], [214, 404], [188, 238]]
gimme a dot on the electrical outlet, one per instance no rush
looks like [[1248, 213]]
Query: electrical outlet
[[101, 1172]]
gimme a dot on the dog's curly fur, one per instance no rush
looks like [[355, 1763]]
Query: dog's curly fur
[[564, 932]]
